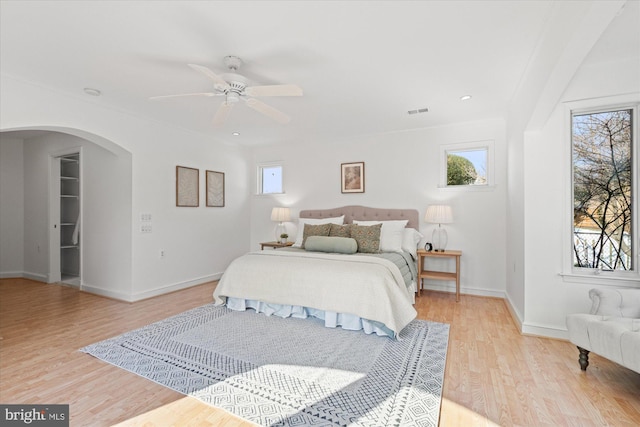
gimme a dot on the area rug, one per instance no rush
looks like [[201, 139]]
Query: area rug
[[290, 372]]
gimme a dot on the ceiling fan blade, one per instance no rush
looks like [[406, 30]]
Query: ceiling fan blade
[[185, 94], [268, 111], [274, 90], [222, 113], [220, 82]]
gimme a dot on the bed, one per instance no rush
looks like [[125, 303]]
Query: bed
[[322, 277]]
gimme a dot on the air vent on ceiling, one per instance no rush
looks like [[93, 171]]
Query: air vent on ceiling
[[419, 110]]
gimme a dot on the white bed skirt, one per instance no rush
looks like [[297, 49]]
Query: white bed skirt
[[331, 320]]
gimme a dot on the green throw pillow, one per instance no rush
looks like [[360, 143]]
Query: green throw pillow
[[340, 245]]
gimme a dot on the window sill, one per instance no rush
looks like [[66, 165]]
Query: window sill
[[269, 194], [490, 187], [604, 279]]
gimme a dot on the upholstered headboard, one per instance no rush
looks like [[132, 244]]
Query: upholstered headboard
[[363, 213]]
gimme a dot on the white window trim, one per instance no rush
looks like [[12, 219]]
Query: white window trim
[[489, 145], [570, 273], [259, 168]]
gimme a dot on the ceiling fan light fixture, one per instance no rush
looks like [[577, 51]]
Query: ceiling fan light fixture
[[232, 97], [234, 87]]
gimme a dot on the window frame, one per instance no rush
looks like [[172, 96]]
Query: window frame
[[592, 276], [445, 149], [260, 172]]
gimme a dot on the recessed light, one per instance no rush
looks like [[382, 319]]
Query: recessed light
[[91, 91], [236, 134], [465, 97]]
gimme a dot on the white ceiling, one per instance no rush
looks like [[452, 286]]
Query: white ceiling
[[361, 65]]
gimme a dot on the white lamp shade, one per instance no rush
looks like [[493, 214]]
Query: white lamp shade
[[439, 214], [280, 214]]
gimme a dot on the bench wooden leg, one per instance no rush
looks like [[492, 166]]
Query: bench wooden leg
[[584, 358]]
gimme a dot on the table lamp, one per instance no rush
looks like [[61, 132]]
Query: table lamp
[[280, 214], [439, 214]]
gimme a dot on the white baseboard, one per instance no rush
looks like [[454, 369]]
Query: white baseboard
[[544, 331], [176, 287], [528, 328], [11, 274], [122, 296], [465, 290], [515, 314], [36, 276], [24, 275]]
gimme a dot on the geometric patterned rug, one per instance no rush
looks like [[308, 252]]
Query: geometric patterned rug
[[289, 372]]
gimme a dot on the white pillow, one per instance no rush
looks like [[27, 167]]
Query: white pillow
[[390, 235], [410, 239], [313, 221]]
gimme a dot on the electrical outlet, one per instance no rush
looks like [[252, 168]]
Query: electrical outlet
[[162, 253]]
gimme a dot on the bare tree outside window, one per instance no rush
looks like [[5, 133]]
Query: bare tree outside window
[[602, 189]]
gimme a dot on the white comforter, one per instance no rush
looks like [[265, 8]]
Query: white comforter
[[369, 287]]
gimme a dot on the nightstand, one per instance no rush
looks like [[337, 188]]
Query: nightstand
[[274, 245], [438, 275]]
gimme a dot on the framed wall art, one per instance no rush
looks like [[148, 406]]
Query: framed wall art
[[215, 189], [352, 177], [187, 187]]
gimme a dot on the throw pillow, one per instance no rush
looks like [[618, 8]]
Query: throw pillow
[[315, 230], [368, 237], [314, 221], [340, 230], [340, 245], [390, 235]]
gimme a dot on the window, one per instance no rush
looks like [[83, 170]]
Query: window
[[467, 165], [270, 179], [604, 190]]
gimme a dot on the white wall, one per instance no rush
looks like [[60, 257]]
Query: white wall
[[401, 171], [546, 197], [11, 207], [198, 242], [106, 206], [562, 48]]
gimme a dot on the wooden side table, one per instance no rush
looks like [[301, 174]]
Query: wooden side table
[[274, 245], [439, 275]]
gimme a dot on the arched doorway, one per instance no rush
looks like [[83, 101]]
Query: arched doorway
[[105, 218]]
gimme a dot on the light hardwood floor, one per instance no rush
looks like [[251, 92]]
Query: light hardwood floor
[[494, 375]]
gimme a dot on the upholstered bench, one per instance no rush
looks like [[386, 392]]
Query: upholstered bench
[[612, 329]]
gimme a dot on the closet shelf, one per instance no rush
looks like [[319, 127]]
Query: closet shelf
[[70, 206]]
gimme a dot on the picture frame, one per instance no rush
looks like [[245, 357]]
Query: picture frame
[[352, 177], [187, 187], [215, 189]]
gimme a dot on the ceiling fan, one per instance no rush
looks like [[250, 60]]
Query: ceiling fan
[[234, 87]]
